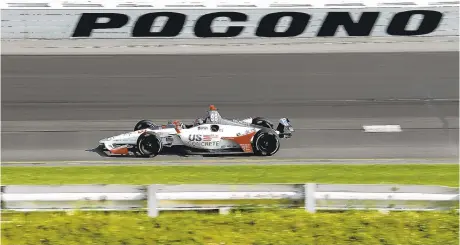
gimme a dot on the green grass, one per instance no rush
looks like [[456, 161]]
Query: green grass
[[280, 227], [447, 175]]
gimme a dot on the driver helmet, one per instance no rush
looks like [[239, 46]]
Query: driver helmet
[[178, 123], [198, 121]]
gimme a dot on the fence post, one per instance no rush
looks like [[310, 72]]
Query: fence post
[[309, 197], [152, 202], [2, 203]]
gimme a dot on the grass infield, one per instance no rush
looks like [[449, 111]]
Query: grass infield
[[443, 174], [281, 227]]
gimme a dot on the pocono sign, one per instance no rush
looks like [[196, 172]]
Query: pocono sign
[[266, 26]]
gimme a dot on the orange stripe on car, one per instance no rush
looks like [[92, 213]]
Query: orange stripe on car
[[244, 141], [120, 150]]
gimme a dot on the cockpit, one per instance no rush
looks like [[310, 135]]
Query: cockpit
[[212, 116]]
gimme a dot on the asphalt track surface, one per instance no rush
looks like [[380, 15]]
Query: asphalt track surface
[[56, 107]]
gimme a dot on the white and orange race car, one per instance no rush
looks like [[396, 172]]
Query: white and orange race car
[[212, 135]]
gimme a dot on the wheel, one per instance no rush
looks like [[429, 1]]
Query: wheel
[[149, 144], [143, 124], [260, 121], [265, 143]]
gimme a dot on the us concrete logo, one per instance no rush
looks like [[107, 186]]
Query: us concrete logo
[[266, 27]]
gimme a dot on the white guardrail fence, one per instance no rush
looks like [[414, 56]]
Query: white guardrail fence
[[123, 19], [156, 198]]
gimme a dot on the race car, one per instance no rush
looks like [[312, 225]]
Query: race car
[[211, 135]]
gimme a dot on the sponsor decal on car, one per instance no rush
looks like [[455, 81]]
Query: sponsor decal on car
[[199, 137], [140, 131], [241, 122], [248, 131], [210, 143], [204, 140], [246, 147], [229, 145]]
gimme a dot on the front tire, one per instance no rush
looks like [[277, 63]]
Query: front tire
[[265, 143], [149, 144]]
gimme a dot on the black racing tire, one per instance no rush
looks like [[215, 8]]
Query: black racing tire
[[149, 144], [266, 142], [143, 124], [263, 122]]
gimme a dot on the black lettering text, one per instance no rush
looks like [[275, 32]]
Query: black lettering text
[[268, 24], [267, 27], [203, 24], [430, 21], [88, 23], [194, 137], [335, 19], [172, 27]]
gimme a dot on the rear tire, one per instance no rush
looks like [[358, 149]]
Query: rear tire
[[265, 143], [263, 122], [149, 144], [143, 124]]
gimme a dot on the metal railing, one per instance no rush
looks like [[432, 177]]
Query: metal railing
[[156, 198]]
